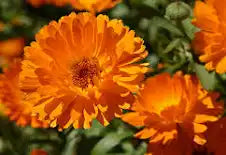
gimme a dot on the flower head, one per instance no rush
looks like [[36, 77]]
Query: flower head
[[216, 137], [173, 112], [209, 42], [95, 5], [11, 98], [38, 3], [38, 152], [92, 6], [2, 109], [12, 47], [81, 68], [2, 25]]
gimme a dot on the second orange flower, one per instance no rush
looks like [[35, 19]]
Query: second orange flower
[[209, 42], [173, 111]]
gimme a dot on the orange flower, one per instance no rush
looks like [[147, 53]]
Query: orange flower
[[38, 3], [210, 41], [81, 68], [38, 152], [90, 5], [2, 25], [9, 50], [173, 112], [94, 5], [11, 96], [216, 137], [11, 47], [2, 109], [179, 146]]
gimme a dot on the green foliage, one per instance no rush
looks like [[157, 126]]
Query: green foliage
[[208, 80], [166, 28], [178, 11]]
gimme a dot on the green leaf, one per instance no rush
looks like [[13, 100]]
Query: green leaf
[[108, 142], [223, 76], [189, 28], [72, 140], [153, 60], [142, 149], [173, 44], [178, 11], [128, 147], [95, 130], [144, 23], [156, 3], [167, 25], [208, 79], [120, 11]]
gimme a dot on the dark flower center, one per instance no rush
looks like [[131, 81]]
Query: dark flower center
[[85, 72]]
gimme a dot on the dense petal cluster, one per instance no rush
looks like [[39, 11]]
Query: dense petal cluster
[[11, 98], [173, 111], [209, 42], [81, 68], [95, 5], [216, 137]]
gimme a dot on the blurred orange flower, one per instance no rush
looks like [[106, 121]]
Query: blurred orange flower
[[2, 25], [81, 68], [38, 3], [94, 5], [216, 137], [38, 152], [210, 41], [174, 112], [10, 97], [12, 47], [90, 5], [2, 109]]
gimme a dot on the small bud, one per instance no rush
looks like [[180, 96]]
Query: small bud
[[178, 11]]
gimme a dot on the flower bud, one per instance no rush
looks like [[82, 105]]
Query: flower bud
[[177, 11]]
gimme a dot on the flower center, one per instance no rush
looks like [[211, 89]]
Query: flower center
[[85, 72]]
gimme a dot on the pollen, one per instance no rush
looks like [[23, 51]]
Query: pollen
[[85, 72]]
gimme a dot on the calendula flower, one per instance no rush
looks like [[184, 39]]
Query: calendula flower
[[38, 3], [94, 5], [2, 25], [38, 152], [179, 146], [90, 5], [216, 137], [2, 109], [209, 42], [11, 98], [173, 111], [81, 68], [12, 47]]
